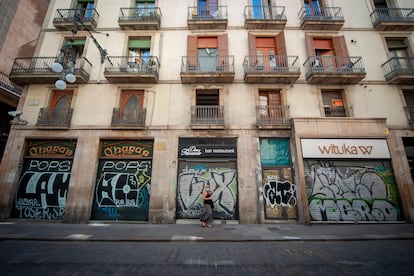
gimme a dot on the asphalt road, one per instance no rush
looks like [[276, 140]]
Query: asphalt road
[[382, 257]]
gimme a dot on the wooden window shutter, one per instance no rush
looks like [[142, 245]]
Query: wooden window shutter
[[223, 50], [252, 49], [192, 50], [280, 44], [340, 46], [310, 49]]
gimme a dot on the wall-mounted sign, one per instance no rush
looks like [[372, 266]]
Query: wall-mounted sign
[[345, 148], [207, 151], [126, 149], [50, 149]]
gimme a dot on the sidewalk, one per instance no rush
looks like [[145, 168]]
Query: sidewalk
[[117, 232]]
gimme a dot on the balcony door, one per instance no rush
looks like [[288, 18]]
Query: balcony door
[[131, 105], [313, 7], [207, 8], [60, 105], [333, 104], [327, 53], [265, 51], [207, 54], [87, 6], [145, 7], [208, 106], [398, 50], [139, 53], [270, 106], [262, 9]]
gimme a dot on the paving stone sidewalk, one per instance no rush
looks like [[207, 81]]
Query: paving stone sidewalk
[[124, 232]]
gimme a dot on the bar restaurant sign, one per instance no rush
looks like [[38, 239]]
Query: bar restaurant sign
[[345, 148]]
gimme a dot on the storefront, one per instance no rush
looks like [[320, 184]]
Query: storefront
[[350, 180], [44, 181], [123, 181], [202, 161], [279, 188]]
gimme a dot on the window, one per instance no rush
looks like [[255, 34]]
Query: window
[[398, 50], [270, 104], [262, 9], [267, 52], [131, 106], [60, 105], [86, 6], [139, 53], [145, 7], [207, 109], [78, 46], [207, 97], [313, 7], [207, 54], [333, 103], [206, 8], [329, 52]]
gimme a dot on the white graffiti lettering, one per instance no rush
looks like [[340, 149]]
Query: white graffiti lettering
[[278, 193]]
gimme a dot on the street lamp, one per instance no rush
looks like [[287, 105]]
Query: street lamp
[[66, 61]]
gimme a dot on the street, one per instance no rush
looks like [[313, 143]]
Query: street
[[380, 257]]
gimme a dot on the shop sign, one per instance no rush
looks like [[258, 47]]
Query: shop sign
[[50, 149], [126, 149], [345, 148], [207, 151]]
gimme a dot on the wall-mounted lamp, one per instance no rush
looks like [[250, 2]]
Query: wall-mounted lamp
[[66, 61], [16, 118]]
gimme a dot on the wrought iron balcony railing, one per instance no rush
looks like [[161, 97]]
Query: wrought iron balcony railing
[[207, 115], [335, 64], [264, 12], [9, 86], [273, 115], [55, 117], [338, 111], [129, 117], [322, 13], [140, 14], [207, 13], [207, 64], [38, 66], [392, 15], [133, 65], [271, 64], [88, 16], [398, 66]]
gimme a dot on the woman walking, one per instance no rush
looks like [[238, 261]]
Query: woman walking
[[207, 213]]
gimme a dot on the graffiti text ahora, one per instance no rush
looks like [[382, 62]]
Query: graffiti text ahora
[[345, 149]]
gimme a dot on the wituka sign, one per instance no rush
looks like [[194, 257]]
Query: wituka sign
[[123, 181], [43, 184]]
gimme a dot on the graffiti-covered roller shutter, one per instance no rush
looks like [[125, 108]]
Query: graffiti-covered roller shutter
[[279, 189], [351, 190], [202, 161], [44, 182], [123, 182]]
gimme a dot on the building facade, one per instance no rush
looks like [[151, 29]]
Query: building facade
[[20, 22], [293, 112]]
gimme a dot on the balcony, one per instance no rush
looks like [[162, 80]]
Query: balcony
[[140, 18], [65, 18], [128, 118], [385, 19], [273, 116], [54, 118], [125, 69], [207, 117], [37, 70], [337, 111], [325, 18], [399, 70], [264, 17], [271, 69], [334, 69], [9, 92], [206, 18], [202, 69]]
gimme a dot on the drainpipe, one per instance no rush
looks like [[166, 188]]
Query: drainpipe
[[258, 182]]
